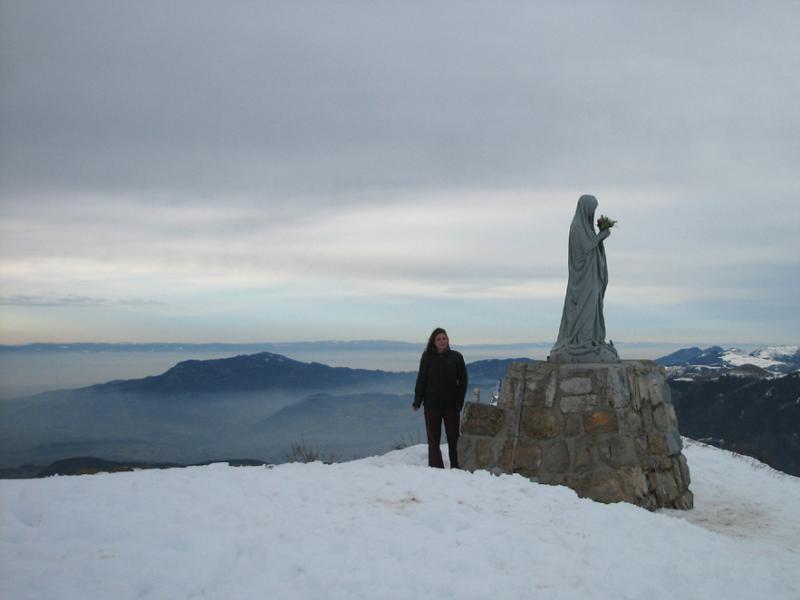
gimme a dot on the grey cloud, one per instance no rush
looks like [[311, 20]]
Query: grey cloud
[[148, 134], [72, 301], [282, 100], [140, 302], [22, 300]]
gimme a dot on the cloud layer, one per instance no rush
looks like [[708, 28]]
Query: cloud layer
[[307, 170]]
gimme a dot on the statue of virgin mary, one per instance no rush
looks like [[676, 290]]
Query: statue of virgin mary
[[582, 335]]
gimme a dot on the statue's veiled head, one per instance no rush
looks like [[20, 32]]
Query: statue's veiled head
[[587, 204]]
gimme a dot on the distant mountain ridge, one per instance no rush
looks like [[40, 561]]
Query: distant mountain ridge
[[715, 361], [252, 372], [267, 370]]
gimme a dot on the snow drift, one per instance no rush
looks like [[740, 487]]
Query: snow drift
[[389, 527]]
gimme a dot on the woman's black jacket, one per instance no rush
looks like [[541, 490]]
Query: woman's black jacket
[[441, 381]]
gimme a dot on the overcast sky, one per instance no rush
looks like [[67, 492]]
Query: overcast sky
[[274, 171]]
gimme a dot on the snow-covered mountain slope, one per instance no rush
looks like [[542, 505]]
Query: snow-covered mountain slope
[[766, 361], [778, 353], [734, 357], [389, 527]]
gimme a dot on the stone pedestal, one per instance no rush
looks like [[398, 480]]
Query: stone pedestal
[[608, 431]]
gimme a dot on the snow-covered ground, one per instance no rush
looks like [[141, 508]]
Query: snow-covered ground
[[780, 353], [778, 359], [389, 527], [735, 357]]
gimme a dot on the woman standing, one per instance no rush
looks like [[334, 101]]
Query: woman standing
[[441, 387]]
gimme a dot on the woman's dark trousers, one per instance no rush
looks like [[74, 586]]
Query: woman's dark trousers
[[433, 425]]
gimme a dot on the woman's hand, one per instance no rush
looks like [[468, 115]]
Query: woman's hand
[[603, 234], [415, 407]]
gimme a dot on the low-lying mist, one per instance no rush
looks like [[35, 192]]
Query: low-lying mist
[[188, 429]]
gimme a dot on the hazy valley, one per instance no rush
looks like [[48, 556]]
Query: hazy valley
[[258, 406]]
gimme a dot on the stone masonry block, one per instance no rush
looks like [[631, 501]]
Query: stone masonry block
[[573, 425], [651, 388], [685, 502], [576, 385], [660, 418], [516, 369], [633, 387], [618, 389], [567, 370], [642, 448], [633, 422], [540, 424], [664, 463], [666, 488], [672, 418], [647, 419], [507, 456], [601, 487], [528, 459], [572, 404], [556, 457], [657, 443], [534, 394], [618, 451], [550, 391], [652, 481], [519, 391], [676, 473], [674, 443], [636, 483], [466, 451], [484, 452], [506, 399], [583, 454], [530, 397], [535, 372], [600, 421], [666, 393], [684, 467], [482, 419], [627, 484]]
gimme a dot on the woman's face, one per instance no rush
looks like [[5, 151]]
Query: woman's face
[[441, 342]]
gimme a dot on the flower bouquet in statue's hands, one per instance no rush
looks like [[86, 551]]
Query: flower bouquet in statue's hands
[[604, 223]]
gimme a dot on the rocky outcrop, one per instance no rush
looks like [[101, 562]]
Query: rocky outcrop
[[608, 431]]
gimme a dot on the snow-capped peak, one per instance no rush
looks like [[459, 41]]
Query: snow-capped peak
[[735, 357], [777, 352], [715, 361]]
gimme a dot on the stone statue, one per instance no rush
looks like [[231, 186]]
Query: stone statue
[[582, 335]]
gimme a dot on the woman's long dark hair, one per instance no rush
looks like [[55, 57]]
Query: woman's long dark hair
[[431, 347]]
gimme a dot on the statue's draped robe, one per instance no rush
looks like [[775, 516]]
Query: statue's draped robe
[[581, 337]]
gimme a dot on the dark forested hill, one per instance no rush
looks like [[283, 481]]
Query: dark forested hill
[[753, 416], [249, 372]]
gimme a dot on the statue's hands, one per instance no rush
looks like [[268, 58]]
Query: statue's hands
[[603, 234]]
